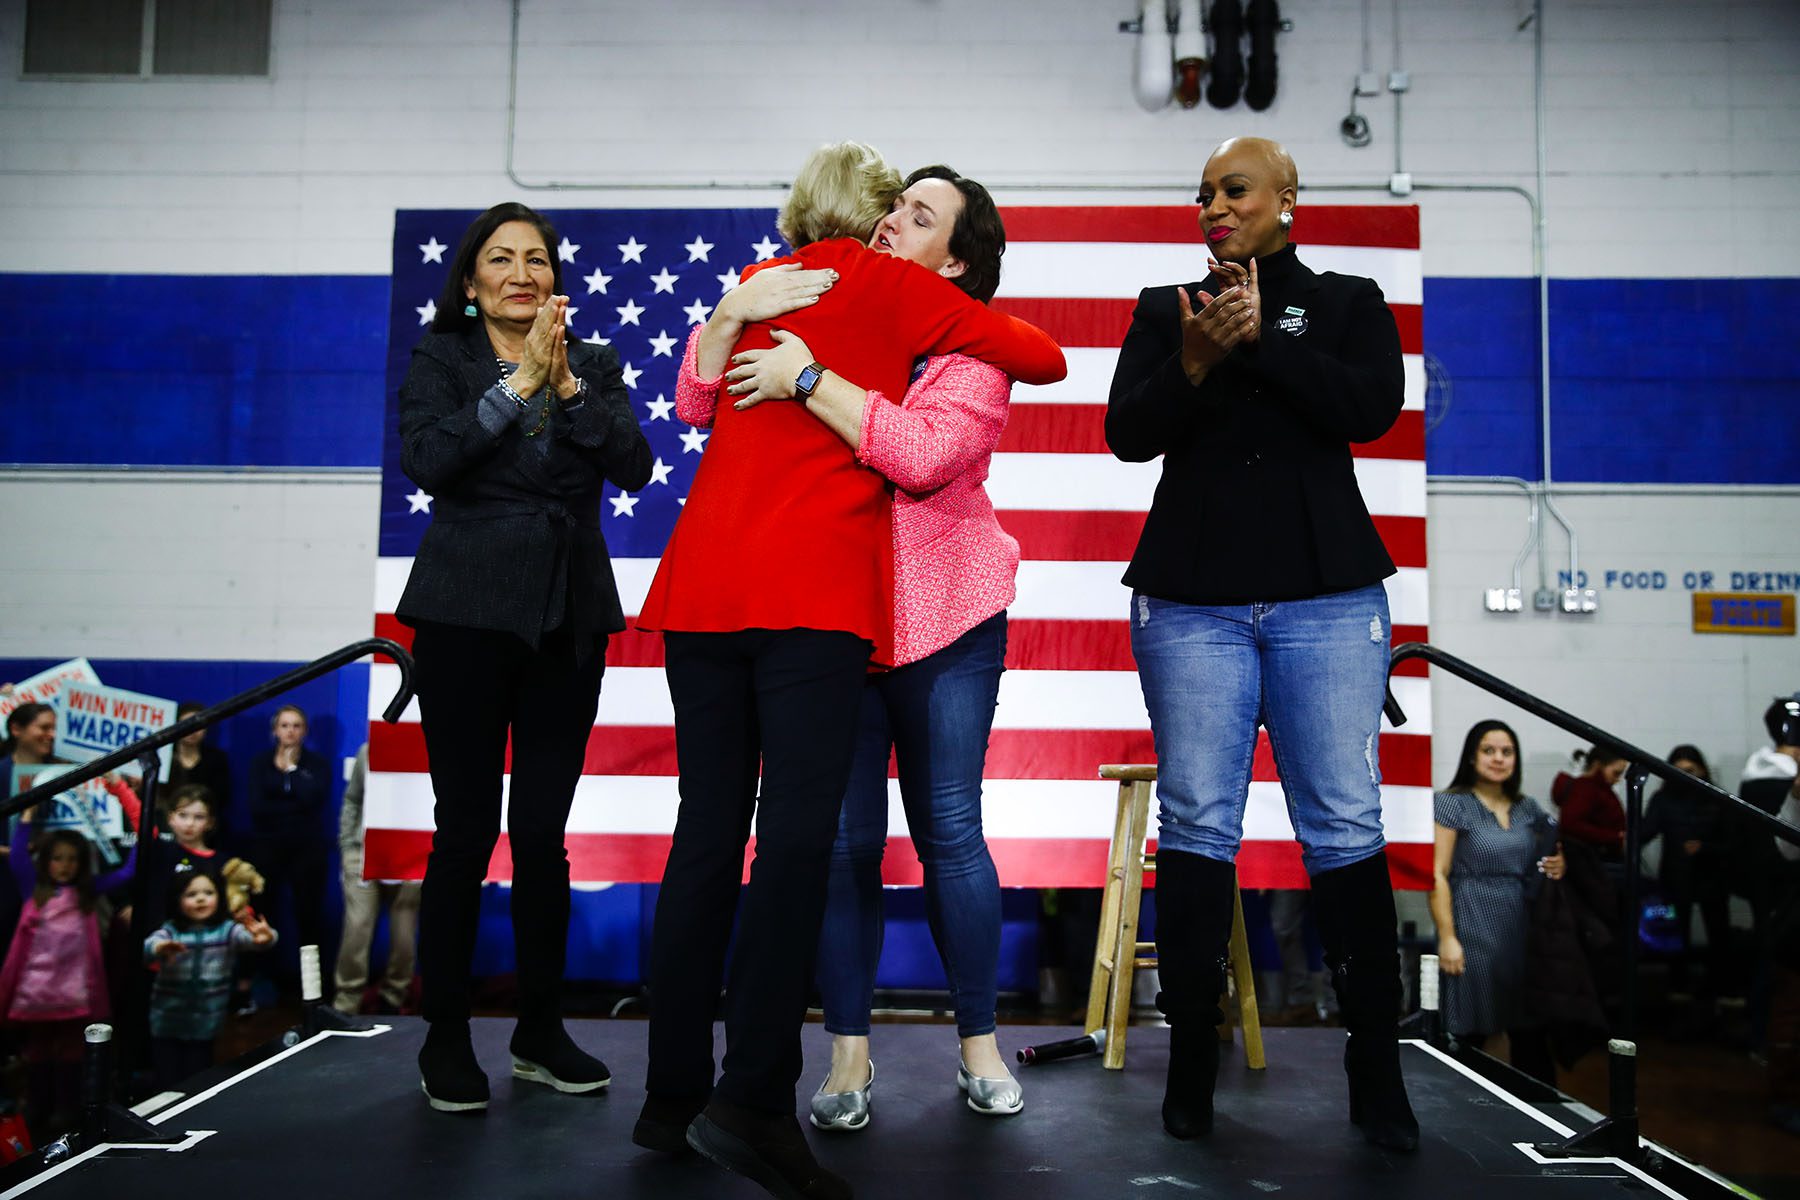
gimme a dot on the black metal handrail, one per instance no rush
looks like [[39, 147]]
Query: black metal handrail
[[1617, 1135], [82, 772], [1592, 734]]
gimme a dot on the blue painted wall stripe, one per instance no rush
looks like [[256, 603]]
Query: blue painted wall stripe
[[1654, 380]]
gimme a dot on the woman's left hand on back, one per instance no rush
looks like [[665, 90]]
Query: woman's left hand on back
[[758, 375]]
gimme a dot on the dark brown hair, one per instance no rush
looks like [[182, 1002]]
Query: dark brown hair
[[978, 236], [18, 719], [450, 317], [84, 873], [1464, 779]]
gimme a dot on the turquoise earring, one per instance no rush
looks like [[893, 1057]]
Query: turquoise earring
[[469, 309]]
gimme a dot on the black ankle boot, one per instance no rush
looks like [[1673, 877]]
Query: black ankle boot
[[663, 1122], [767, 1148], [449, 1073], [543, 1052], [1193, 931], [1355, 909]]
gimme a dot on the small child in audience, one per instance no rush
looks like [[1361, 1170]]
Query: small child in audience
[[54, 980], [195, 950], [188, 819]]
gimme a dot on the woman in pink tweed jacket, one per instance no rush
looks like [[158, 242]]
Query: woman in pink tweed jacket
[[954, 569]]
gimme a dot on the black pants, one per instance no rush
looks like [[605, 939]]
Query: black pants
[[178, 1059], [474, 686], [788, 700], [297, 862]]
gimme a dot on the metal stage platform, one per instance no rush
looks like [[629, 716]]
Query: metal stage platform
[[341, 1115]]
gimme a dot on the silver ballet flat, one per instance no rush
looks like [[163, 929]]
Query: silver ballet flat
[[843, 1112], [991, 1097]]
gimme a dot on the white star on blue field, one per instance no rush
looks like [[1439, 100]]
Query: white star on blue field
[[653, 274]]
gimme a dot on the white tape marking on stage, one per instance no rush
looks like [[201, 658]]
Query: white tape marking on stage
[[1544, 1119], [265, 1064], [1530, 1151], [194, 1138]]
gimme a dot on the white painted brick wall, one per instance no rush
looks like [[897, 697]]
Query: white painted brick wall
[[1664, 117]]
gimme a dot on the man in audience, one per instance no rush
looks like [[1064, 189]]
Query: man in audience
[[363, 899]]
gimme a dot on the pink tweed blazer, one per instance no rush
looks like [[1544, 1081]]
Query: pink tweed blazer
[[954, 567]]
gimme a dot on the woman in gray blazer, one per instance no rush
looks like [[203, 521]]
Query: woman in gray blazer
[[512, 430]]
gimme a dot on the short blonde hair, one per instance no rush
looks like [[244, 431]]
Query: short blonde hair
[[842, 191]]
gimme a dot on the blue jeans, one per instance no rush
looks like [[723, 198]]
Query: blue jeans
[[935, 715], [1313, 672]]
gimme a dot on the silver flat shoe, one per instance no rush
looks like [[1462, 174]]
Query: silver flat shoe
[[843, 1112], [991, 1097]]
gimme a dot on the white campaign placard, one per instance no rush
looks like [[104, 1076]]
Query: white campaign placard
[[46, 685], [94, 720], [87, 808]]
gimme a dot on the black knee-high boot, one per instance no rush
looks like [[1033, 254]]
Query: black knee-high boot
[[1357, 925], [1193, 933]]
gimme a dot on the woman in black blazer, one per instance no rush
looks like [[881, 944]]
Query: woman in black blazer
[[1257, 600], [512, 430]]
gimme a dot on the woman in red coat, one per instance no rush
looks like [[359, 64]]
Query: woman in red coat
[[776, 595], [1591, 812]]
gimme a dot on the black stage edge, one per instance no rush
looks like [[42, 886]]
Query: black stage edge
[[341, 1116]]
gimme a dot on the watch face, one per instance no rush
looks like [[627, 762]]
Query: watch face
[[807, 380]]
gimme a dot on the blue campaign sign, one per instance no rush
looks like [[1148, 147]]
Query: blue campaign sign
[[93, 720]]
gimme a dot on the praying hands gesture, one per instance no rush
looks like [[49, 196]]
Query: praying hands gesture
[[1222, 322], [546, 357]]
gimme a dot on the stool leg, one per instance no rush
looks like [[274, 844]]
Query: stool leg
[[1107, 946], [1246, 986], [1131, 899]]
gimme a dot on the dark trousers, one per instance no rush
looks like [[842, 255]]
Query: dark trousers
[[178, 1059], [474, 687], [297, 862], [789, 701]]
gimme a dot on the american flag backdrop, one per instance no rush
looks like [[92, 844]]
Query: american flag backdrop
[[640, 278]]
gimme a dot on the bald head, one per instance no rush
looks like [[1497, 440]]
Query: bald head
[[1247, 194], [1271, 159]]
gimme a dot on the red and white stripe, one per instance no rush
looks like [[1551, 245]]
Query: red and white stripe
[[1070, 700]]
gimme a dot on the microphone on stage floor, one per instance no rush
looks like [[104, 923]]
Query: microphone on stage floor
[[1075, 1047]]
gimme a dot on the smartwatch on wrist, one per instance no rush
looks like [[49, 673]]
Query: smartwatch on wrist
[[807, 382]]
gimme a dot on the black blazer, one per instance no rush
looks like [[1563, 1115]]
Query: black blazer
[[1258, 498], [514, 542]]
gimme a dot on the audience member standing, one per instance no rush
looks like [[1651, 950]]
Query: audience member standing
[[363, 900], [54, 979], [1590, 810], [1492, 842], [1694, 868], [290, 795], [193, 952], [194, 761]]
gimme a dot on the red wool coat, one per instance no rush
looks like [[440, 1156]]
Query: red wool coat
[[783, 528]]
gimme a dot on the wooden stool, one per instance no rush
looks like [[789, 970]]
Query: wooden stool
[[1118, 953]]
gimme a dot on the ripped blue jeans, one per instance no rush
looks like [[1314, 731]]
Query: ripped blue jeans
[[1313, 672]]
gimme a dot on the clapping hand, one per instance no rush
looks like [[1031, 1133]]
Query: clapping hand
[[259, 928], [1249, 288], [1220, 324], [170, 949]]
